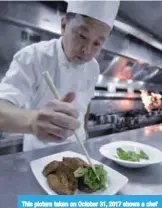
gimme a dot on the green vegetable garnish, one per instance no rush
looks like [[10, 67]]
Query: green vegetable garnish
[[88, 177], [143, 155], [131, 155]]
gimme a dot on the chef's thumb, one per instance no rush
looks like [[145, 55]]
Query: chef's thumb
[[69, 97]]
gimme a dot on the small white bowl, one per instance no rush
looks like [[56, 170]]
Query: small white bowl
[[109, 151]]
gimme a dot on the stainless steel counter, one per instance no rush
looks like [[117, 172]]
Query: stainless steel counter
[[16, 176]]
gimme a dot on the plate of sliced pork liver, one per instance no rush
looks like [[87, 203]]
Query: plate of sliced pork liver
[[68, 173]]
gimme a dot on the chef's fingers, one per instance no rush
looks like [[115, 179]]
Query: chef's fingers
[[62, 107], [69, 97], [55, 131], [65, 121], [44, 136], [59, 119]]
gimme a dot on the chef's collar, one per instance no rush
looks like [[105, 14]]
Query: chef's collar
[[63, 58]]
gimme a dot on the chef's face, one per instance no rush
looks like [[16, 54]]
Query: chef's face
[[83, 38]]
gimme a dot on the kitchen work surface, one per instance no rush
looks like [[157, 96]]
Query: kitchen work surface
[[16, 176]]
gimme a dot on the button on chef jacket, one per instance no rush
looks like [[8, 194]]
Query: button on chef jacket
[[24, 85]]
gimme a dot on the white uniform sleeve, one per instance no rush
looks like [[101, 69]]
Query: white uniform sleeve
[[94, 77], [19, 82]]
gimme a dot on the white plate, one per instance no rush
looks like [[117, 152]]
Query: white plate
[[109, 151], [115, 180]]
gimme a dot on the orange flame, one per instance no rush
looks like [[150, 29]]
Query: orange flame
[[151, 100]]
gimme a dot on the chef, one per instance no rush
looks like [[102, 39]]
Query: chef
[[27, 105]]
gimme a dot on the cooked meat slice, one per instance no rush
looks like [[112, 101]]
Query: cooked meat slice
[[62, 181], [70, 175], [58, 183], [51, 167], [53, 182], [74, 163]]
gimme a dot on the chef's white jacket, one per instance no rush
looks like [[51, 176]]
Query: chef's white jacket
[[24, 85]]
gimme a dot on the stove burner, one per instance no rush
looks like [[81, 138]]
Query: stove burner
[[128, 120]]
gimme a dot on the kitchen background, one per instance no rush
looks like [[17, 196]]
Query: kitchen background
[[131, 60]]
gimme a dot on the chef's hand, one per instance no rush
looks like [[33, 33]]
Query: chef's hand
[[58, 119]]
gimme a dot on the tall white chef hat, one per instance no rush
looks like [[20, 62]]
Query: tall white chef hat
[[105, 11]]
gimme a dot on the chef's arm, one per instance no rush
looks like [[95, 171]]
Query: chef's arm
[[14, 119], [86, 119], [44, 123], [16, 89]]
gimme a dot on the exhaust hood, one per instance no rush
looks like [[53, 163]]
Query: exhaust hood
[[129, 70]]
